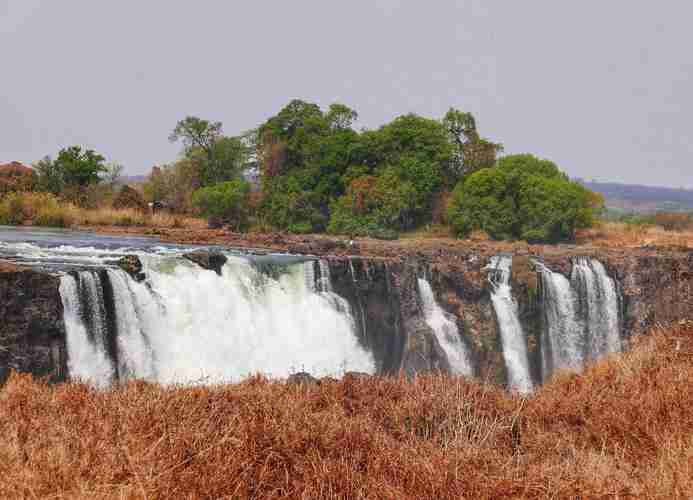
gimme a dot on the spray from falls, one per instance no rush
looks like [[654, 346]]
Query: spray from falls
[[186, 324], [446, 332], [512, 336]]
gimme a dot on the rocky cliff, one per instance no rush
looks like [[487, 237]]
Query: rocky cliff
[[32, 333], [654, 286]]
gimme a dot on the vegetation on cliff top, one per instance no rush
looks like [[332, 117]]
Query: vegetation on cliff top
[[315, 173], [621, 429]]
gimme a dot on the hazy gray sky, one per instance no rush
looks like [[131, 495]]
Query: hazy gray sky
[[604, 88]]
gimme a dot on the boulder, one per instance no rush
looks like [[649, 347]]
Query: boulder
[[132, 265], [213, 261]]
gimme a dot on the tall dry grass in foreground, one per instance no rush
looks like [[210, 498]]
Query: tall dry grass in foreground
[[623, 429]]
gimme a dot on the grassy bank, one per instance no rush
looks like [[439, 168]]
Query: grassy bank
[[622, 429], [46, 210]]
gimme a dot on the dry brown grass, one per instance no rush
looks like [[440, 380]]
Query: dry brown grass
[[130, 217], [624, 429], [610, 234]]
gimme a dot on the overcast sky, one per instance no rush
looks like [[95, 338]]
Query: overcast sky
[[603, 88]]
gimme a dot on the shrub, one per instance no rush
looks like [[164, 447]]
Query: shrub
[[227, 201], [12, 209], [523, 197], [129, 198]]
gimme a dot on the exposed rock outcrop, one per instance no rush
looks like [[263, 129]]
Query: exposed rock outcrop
[[32, 333], [212, 261], [132, 265]]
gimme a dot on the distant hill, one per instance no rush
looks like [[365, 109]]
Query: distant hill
[[639, 198]]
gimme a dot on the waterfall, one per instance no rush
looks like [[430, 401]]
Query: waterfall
[[185, 324], [581, 316], [563, 341], [512, 336], [445, 329], [597, 294], [85, 323]]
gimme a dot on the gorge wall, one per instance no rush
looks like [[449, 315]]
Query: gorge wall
[[414, 313]]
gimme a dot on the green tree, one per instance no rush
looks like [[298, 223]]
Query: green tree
[[50, 176], [196, 133], [523, 197], [79, 167], [226, 202], [472, 152], [219, 158]]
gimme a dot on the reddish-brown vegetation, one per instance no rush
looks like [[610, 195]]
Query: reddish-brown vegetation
[[15, 176], [623, 429]]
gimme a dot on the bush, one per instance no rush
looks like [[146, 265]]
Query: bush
[[226, 201], [42, 209], [12, 209], [523, 197], [129, 198]]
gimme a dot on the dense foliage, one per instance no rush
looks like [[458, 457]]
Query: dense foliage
[[310, 171], [522, 197], [319, 173], [226, 202]]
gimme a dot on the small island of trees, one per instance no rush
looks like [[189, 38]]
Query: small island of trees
[[308, 170]]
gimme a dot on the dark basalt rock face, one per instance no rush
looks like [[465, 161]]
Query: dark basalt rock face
[[386, 307], [212, 261], [32, 332], [383, 296], [132, 265]]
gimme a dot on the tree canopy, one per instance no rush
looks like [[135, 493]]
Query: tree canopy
[[80, 167], [522, 197]]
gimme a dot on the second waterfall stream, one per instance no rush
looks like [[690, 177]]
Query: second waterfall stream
[[513, 337]]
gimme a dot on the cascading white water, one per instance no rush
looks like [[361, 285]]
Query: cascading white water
[[563, 345], [582, 316], [186, 324], [512, 335], [597, 293], [135, 356], [87, 357], [445, 330]]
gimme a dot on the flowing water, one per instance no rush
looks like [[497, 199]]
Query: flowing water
[[581, 316], [186, 324], [445, 328], [512, 335], [279, 314]]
